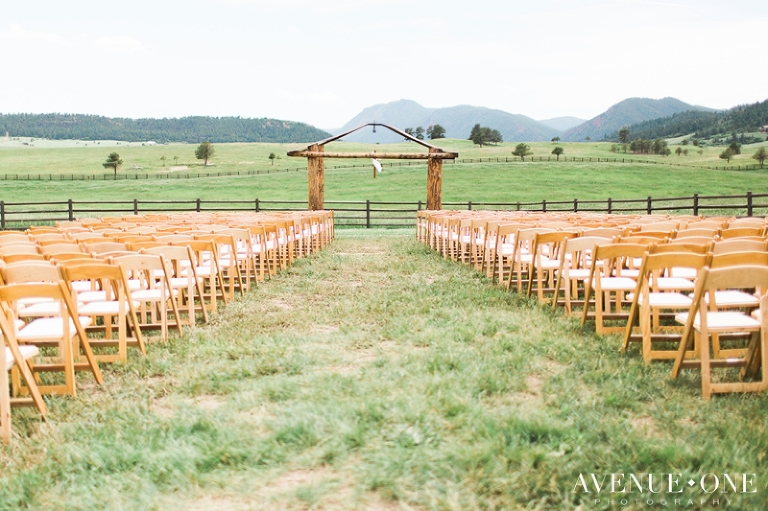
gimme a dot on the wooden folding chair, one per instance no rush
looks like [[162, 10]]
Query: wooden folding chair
[[152, 290], [574, 269], [546, 261], [657, 293], [60, 334], [226, 254], [14, 357], [107, 301], [522, 255], [612, 276], [701, 322], [207, 267], [183, 279]]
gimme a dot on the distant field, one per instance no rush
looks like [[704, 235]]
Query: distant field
[[477, 182]]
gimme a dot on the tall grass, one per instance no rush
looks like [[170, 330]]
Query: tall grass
[[377, 375]]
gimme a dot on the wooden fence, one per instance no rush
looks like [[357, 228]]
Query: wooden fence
[[131, 175], [370, 214]]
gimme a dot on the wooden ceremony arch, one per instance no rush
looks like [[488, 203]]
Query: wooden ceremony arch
[[315, 154]]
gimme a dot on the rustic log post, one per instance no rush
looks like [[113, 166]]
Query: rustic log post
[[434, 182], [316, 179]]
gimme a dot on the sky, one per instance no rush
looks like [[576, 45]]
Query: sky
[[322, 62]]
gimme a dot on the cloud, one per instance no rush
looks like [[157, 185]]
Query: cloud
[[18, 34], [121, 45]]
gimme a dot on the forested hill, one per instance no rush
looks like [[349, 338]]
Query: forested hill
[[185, 129], [704, 125]]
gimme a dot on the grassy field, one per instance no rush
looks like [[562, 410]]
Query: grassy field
[[478, 182], [377, 375]]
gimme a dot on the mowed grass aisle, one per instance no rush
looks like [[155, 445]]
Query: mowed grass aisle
[[377, 375]]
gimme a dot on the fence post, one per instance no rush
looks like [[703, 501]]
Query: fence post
[[544, 206], [749, 203], [469, 206], [418, 208], [649, 207], [518, 205], [2, 214], [70, 210], [695, 204], [135, 206], [197, 205], [610, 205], [257, 205], [575, 205], [367, 214]]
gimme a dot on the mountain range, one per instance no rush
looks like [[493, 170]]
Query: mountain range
[[459, 120]]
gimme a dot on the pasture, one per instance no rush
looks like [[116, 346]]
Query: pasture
[[377, 375], [477, 182]]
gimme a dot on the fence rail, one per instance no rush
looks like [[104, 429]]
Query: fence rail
[[369, 214], [130, 174]]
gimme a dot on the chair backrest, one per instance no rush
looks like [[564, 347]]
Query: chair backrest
[[13, 237], [738, 232], [680, 245], [32, 271], [739, 245], [105, 246], [698, 232], [663, 263], [22, 248], [56, 248], [722, 260]]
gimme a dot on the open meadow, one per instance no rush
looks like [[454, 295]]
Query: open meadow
[[378, 375], [514, 181]]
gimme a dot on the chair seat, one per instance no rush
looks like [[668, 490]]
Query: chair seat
[[50, 308], [27, 351], [734, 298], [149, 295], [675, 284], [579, 274], [49, 328], [616, 284], [111, 308], [722, 321], [666, 300]]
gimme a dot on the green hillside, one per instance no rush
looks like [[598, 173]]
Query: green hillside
[[186, 129], [714, 126]]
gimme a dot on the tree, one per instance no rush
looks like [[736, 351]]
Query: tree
[[555, 139], [476, 135], [727, 155], [522, 150], [679, 151], [419, 132], [163, 158], [204, 152], [760, 156], [175, 160], [272, 157], [624, 135], [482, 135], [113, 162], [435, 132], [735, 148], [557, 151]]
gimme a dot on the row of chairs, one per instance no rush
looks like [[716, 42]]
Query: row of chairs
[[108, 290], [651, 267]]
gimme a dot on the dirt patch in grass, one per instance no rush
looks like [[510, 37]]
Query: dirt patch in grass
[[209, 403], [645, 425], [219, 504]]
